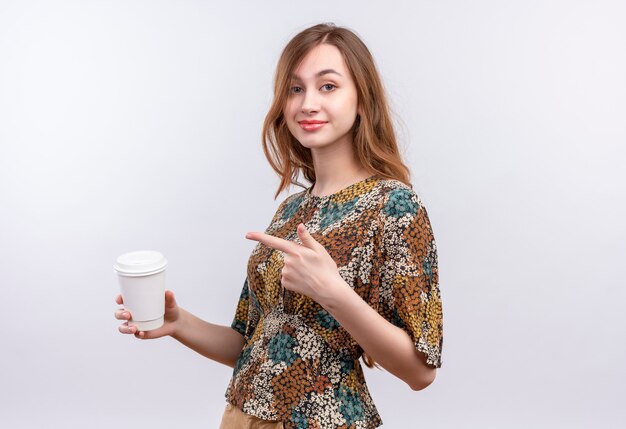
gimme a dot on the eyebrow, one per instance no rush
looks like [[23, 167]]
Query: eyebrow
[[319, 74]]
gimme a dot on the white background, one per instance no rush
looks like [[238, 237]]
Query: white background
[[129, 125]]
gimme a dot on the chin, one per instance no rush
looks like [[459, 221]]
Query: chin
[[313, 144]]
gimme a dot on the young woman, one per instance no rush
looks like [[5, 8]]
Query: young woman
[[346, 269]]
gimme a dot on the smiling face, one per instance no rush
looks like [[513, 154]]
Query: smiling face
[[322, 103]]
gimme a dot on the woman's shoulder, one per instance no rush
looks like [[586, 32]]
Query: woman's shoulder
[[393, 188], [392, 184], [288, 206], [292, 199], [398, 198]]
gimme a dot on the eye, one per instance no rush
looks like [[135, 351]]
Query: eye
[[329, 84], [295, 90]]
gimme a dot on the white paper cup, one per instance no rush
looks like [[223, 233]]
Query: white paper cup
[[141, 277]]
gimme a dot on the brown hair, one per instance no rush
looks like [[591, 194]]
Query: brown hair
[[373, 135]]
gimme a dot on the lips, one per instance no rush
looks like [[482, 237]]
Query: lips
[[311, 125]]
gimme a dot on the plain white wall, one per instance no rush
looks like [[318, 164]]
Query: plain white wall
[[131, 125]]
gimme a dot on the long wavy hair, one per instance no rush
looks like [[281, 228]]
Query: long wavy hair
[[373, 134]]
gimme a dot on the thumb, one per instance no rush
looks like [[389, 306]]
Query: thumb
[[306, 238], [170, 301]]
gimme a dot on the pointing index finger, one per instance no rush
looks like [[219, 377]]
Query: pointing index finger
[[273, 242]]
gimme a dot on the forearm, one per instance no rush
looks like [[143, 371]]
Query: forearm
[[219, 343], [384, 342]]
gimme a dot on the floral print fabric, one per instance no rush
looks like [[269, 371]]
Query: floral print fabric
[[298, 365]]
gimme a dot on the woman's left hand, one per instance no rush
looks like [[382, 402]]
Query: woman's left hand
[[308, 268]]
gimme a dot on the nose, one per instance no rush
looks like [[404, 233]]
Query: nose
[[310, 102]]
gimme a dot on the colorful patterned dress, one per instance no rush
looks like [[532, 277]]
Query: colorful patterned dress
[[298, 365]]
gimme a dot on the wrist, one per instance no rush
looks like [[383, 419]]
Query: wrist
[[341, 293], [179, 325]]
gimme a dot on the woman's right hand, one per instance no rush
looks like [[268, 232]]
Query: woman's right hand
[[172, 319]]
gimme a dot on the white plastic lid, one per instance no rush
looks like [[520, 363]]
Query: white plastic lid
[[140, 263]]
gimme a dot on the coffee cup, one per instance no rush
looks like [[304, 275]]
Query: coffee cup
[[141, 276]]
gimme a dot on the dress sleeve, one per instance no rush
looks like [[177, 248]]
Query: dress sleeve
[[409, 296], [246, 313]]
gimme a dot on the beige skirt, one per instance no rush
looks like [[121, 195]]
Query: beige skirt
[[234, 418]]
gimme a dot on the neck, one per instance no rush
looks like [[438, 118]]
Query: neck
[[336, 168]]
